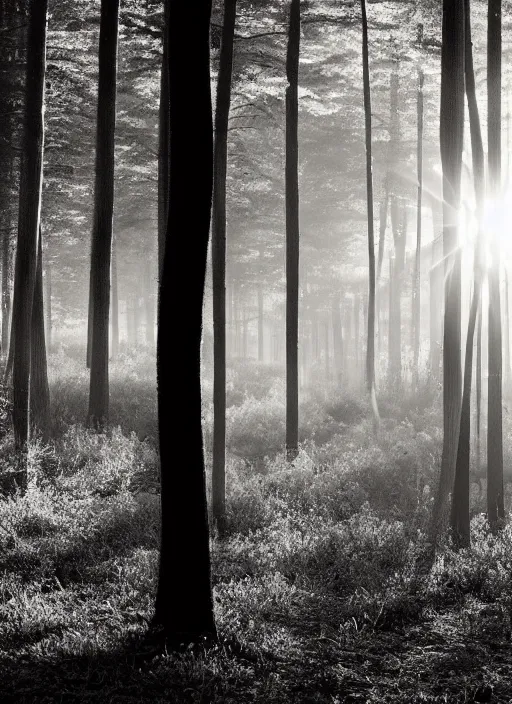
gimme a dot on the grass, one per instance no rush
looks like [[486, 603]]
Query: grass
[[312, 582]]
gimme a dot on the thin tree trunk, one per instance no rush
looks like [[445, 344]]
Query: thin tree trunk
[[460, 519], [28, 224], [219, 265], [184, 602], [103, 214], [495, 498], [370, 348], [416, 298], [479, 390], [451, 136], [163, 144], [292, 233], [39, 389]]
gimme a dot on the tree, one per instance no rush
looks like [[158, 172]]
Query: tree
[[416, 296], [115, 300], [460, 519], [28, 223], [451, 139], [370, 348], [292, 232], [103, 213], [184, 603], [39, 389], [219, 265], [495, 501], [163, 145]]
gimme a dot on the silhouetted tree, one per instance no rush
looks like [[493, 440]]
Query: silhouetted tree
[[292, 232], [184, 603], [495, 500], [460, 519], [219, 265], [103, 213], [451, 138], [28, 222]]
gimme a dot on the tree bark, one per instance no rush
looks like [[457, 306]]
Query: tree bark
[[163, 144], [219, 265], [103, 214], [370, 346], [495, 498], [292, 233], [28, 224], [451, 138], [184, 602], [460, 519], [416, 296], [39, 389]]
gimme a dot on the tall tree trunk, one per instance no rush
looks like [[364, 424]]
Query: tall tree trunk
[[39, 389], [89, 325], [416, 296], [163, 144], [460, 519], [219, 265], [370, 348], [451, 137], [103, 213], [184, 602], [292, 233], [495, 499], [115, 300], [28, 223]]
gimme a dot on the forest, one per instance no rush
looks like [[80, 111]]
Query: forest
[[255, 351]]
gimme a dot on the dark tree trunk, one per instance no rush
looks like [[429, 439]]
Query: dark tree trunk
[[184, 602], [507, 333], [89, 325], [460, 519], [115, 301], [103, 214], [451, 138], [163, 145], [370, 347], [28, 222], [39, 389], [416, 295], [292, 233], [495, 499], [219, 265]]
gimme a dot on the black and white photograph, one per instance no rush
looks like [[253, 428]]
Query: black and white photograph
[[255, 351]]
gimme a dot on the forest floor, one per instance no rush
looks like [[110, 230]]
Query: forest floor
[[312, 582]]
